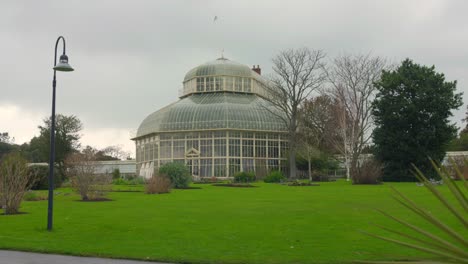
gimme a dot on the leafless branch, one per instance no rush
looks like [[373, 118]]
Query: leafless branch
[[352, 79], [297, 74]]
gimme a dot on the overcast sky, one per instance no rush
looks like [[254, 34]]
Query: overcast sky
[[130, 57]]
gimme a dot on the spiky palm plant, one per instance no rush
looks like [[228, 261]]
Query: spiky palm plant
[[454, 248]]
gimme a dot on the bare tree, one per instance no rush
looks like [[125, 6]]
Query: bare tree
[[84, 179], [297, 73], [316, 126], [116, 151], [15, 180], [352, 79]]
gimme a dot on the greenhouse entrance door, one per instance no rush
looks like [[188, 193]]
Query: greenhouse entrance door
[[192, 164], [193, 156]]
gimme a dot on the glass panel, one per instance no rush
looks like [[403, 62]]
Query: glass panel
[[200, 84], [220, 148], [220, 168], [247, 87], [234, 147], [166, 149], [247, 148], [218, 84], [209, 84], [238, 84], [247, 135], [248, 165], [273, 149], [284, 149], [155, 151], [147, 151], [260, 148], [205, 168], [273, 136], [206, 148], [192, 144], [260, 135], [229, 83], [192, 135], [166, 137], [138, 154], [205, 135], [219, 134], [273, 164], [179, 149], [179, 136], [261, 168], [234, 166], [234, 134]]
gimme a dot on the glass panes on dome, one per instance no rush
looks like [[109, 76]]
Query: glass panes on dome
[[219, 83], [247, 85], [200, 84], [229, 84], [223, 83], [210, 84], [238, 84]]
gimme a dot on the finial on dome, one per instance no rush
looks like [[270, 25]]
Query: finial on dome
[[222, 56]]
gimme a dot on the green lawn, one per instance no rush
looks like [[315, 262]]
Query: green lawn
[[269, 224]]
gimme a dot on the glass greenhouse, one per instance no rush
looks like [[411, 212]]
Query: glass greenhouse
[[221, 125]]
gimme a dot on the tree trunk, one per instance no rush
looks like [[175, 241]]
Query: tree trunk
[[292, 163], [354, 165], [292, 149], [347, 168], [310, 170]]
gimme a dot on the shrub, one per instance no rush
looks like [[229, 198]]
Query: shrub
[[132, 181], [120, 181], [244, 177], [178, 173], [40, 177], [158, 184], [370, 172], [34, 196], [83, 177], [137, 181], [274, 176], [116, 174], [15, 180], [302, 183], [321, 165], [458, 163]]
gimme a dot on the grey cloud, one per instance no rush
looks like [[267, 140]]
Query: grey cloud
[[131, 56]]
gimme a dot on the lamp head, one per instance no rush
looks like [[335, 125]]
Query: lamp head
[[63, 64]]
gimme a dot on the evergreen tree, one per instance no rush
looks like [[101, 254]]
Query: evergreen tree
[[411, 113], [67, 136]]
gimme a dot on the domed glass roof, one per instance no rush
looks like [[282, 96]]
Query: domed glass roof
[[219, 67], [214, 111]]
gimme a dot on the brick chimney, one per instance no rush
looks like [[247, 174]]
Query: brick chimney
[[257, 69]]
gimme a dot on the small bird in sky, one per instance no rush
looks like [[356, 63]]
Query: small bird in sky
[[215, 18]]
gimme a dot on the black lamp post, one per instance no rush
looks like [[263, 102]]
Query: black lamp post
[[61, 66]]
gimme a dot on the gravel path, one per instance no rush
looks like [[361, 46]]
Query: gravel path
[[16, 257]]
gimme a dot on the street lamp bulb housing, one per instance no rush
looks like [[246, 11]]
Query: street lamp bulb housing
[[63, 64]]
